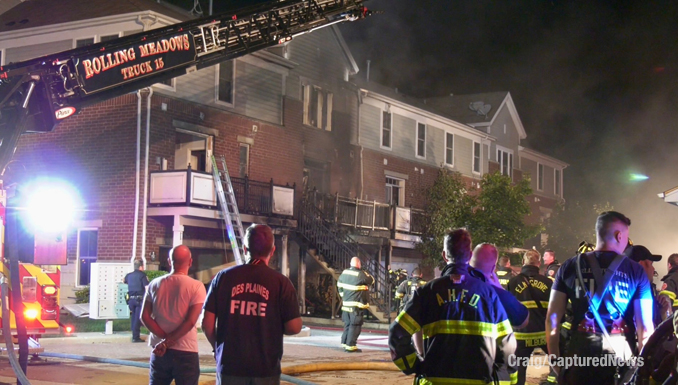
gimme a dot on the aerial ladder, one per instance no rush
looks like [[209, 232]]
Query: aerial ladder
[[37, 94]]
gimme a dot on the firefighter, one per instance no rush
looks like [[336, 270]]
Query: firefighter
[[467, 337], [621, 300], [354, 285], [396, 277], [670, 285], [504, 271], [532, 290], [407, 288], [662, 305], [551, 265]]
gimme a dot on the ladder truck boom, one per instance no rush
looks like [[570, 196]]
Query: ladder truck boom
[[36, 94]]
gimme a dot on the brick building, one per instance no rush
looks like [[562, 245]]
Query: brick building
[[291, 122]]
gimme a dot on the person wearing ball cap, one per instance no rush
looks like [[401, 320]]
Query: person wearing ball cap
[[640, 254]]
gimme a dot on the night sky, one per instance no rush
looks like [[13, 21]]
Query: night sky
[[594, 82]]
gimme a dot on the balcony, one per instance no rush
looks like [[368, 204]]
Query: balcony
[[195, 189], [370, 217]]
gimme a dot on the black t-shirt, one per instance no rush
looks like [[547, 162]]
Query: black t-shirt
[[136, 282], [629, 283], [252, 303]]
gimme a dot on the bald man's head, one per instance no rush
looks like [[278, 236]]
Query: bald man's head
[[181, 258], [355, 262], [485, 258]]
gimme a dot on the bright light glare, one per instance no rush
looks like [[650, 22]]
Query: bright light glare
[[51, 206], [638, 177], [31, 313], [69, 329]]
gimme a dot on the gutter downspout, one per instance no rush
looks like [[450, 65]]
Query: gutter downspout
[[148, 145], [136, 188], [362, 173]]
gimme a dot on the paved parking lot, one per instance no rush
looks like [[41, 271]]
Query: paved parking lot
[[321, 346]]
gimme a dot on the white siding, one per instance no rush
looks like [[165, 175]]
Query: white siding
[[17, 54]]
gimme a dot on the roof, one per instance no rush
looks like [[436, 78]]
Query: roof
[[459, 106], [39, 13], [421, 104], [541, 157]]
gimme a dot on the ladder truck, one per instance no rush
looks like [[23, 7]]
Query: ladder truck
[[38, 94]]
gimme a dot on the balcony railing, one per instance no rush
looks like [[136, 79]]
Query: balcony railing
[[370, 215], [195, 188]]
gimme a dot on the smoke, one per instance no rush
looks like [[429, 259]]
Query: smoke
[[593, 82]]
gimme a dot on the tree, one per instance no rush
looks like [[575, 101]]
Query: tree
[[501, 209], [571, 224], [448, 205], [496, 213]]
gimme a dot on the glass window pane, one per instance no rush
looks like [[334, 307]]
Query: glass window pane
[[84, 42], [226, 81], [108, 38]]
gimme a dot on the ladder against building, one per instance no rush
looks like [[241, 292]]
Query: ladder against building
[[229, 209]]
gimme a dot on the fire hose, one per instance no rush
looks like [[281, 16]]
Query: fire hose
[[6, 332]]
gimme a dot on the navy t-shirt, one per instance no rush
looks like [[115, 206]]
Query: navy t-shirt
[[629, 283], [252, 303]]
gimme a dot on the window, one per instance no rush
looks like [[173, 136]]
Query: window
[[540, 176], [244, 160], [317, 107], [449, 149], [421, 140], [476, 157], [505, 160], [226, 81], [395, 191], [386, 120], [556, 187], [84, 42], [108, 38], [87, 253]]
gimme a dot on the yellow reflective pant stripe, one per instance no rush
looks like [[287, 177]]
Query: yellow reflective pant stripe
[[551, 379], [529, 336], [409, 360], [474, 328], [352, 287], [407, 322], [567, 325], [465, 381]]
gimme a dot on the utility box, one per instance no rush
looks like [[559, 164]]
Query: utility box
[[107, 290]]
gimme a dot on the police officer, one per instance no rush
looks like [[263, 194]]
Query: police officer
[[532, 290], [504, 271], [622, 287], [670, 285], [467, 335], [407, 288], [551, 265], [354, 285], [136, 288]]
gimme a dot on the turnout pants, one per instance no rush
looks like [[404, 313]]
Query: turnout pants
[[585, 345], [353, 321], [524, 350]]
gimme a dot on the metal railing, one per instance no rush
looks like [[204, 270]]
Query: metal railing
[[352, 212], [337, 247], [254, 197]]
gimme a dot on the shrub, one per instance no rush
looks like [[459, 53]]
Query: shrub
[[82, 295], [153, 274]]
